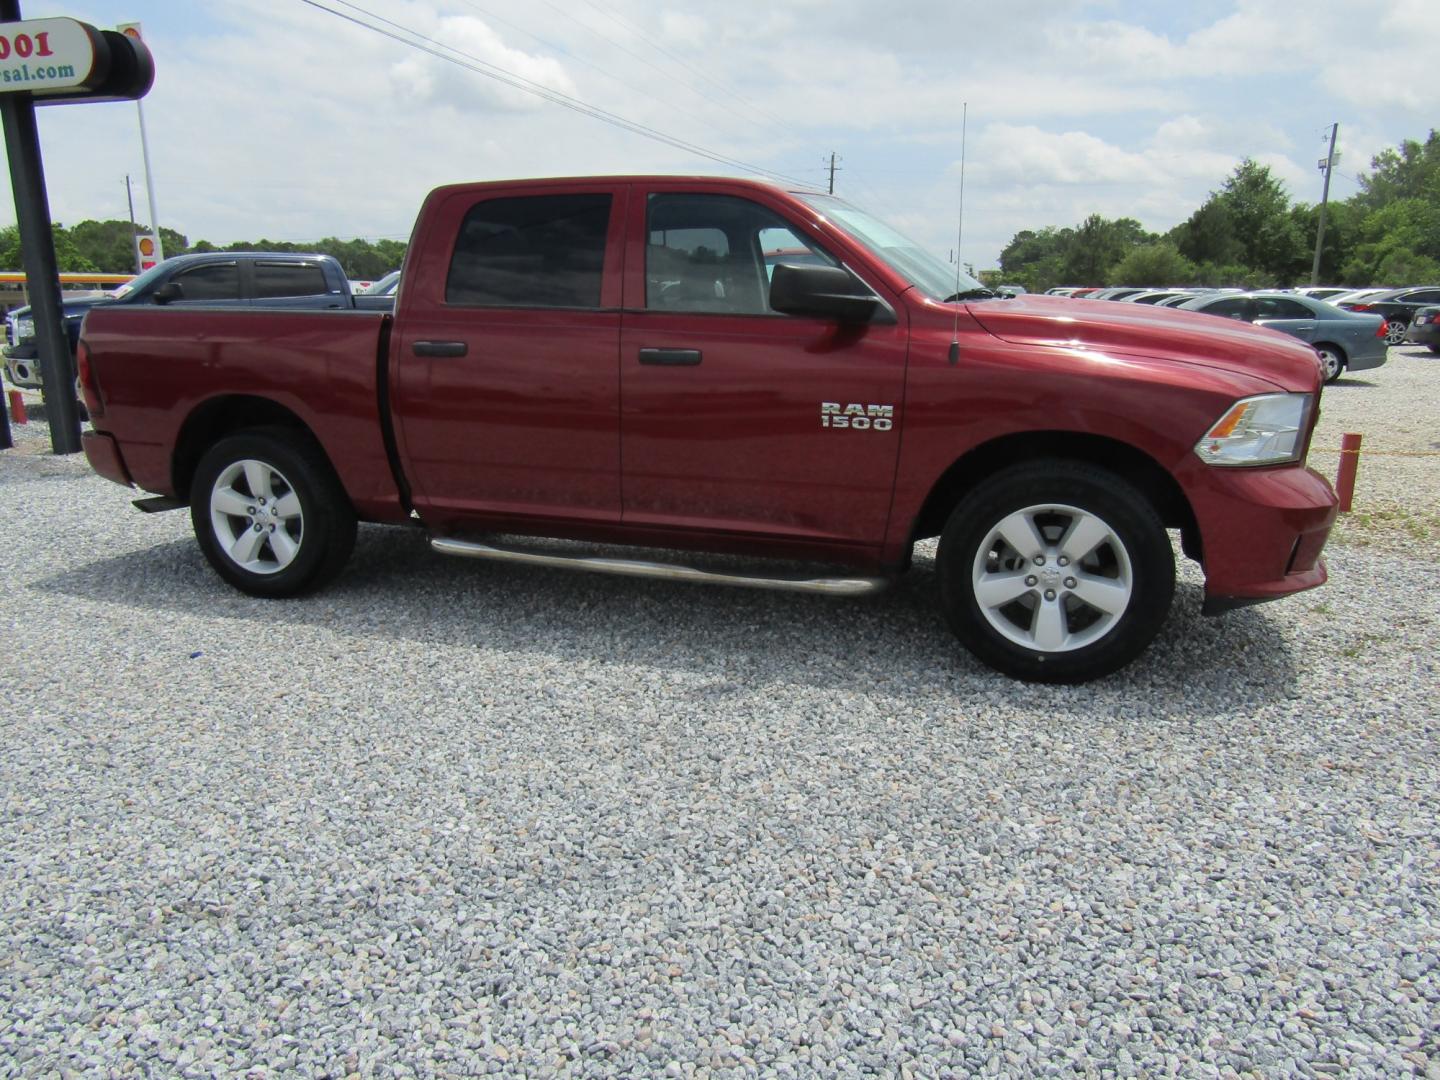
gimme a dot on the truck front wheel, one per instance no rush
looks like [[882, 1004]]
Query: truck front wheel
[[269, 513], [1055, 571]]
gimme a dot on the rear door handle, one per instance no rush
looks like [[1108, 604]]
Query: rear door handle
[[439, 348], [673, 357]]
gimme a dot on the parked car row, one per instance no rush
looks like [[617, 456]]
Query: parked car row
[[1398, 307], [1344, 340]]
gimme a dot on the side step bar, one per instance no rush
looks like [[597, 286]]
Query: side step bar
[[158, 504], [836, 586]]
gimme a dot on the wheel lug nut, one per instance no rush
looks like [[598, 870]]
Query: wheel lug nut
[[1039, 560], [1070, 583], [250, 510], [259, 527], [1032, 581], [1064, 560], [272, 528], [1049, 594]]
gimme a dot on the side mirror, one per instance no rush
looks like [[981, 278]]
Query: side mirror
[[171, 290], [825, 292]]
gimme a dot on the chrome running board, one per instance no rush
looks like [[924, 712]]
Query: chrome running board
[[836, 586]]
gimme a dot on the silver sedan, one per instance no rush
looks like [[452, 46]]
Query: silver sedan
[[1344, 340]]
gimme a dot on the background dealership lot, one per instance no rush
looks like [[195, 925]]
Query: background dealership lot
[[447, 817]]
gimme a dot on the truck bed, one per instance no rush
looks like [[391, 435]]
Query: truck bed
[[182, 367]]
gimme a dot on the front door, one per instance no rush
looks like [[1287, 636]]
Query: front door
[[506, 386], [735, 418]]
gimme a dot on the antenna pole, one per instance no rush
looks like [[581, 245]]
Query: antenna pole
[[959, 233], [1328, 167], [960, 222], [832, 172]]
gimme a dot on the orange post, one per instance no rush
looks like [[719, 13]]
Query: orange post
[[1349, 462], [17, 408]]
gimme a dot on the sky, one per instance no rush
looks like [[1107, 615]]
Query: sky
[[277, 119]]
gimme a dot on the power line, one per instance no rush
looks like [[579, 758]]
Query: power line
[[519, 82], [488, 14], [770, 118]]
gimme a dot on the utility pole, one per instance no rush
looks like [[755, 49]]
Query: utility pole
[[833, 171], [1327, 167], [130, 201]]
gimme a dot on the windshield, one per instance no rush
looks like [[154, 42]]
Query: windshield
[[916, 265], [386, 286], [139, 282]]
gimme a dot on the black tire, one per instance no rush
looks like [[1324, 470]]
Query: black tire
[[317, 524], [1054, 498], [1434, 349], [1332, 361]]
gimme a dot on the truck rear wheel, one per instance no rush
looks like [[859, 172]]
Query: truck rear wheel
[[1055, 571], [269, 513]]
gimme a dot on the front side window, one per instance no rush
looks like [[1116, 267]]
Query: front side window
[[275, 279], [532, 251], [715, 253], [218, 281]]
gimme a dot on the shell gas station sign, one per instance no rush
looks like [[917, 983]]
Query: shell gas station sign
[[146, 252]]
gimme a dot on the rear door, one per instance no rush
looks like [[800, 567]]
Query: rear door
[[505, 388], [735, 418], [1289, 316]]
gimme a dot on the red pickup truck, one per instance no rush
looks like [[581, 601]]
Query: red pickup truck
[[721, 365]]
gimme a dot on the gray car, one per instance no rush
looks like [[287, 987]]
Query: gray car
[[1343, 339]]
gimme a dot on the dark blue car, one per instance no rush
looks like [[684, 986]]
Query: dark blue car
[[269, 279]]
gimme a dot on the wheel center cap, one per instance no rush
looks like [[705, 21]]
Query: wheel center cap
[[1050, 577]]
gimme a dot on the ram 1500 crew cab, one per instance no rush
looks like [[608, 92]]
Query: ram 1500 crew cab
[[722, 365]]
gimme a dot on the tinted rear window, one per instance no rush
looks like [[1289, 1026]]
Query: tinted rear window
[[534, 251], [289, 279]]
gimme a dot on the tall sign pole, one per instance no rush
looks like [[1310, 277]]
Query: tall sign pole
[[132, 30], [46, 62], [1327, 166], [37, 245]]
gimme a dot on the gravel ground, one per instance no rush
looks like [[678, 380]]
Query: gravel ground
[[448, 818]]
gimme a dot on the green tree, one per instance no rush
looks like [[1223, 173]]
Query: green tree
[[68, 257], [1157, 263], [1259, 211], [1208, 235], [1412, 171], [1098, 245]]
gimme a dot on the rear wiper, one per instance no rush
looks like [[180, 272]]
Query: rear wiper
[[971, 294]]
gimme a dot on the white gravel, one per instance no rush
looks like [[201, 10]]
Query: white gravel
[[448, 818]]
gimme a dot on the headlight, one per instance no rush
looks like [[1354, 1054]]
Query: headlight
[[1268, 429]]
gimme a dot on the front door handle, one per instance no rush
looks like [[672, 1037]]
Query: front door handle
[[673, 357], [439, 348]]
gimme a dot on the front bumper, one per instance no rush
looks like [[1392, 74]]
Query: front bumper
[[22, 366], [1261, 531]]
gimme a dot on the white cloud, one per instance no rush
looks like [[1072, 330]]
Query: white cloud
[[276, 119]]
